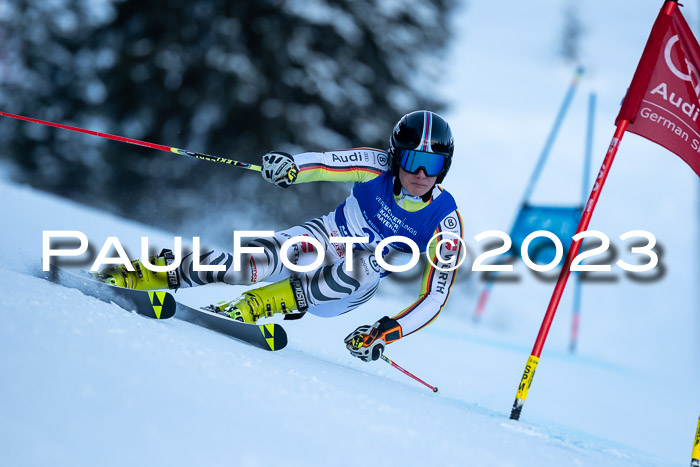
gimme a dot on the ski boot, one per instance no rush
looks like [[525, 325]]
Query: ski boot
[[285, 296], [142, 278]]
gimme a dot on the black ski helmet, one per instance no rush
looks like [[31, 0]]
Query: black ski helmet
[[425, 131]]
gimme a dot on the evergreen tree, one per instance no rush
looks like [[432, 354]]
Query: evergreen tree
[[227, 78]]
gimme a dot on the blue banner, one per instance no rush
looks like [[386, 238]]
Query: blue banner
[[561, 221]]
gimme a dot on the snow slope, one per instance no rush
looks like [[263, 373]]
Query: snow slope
[[84, 382]]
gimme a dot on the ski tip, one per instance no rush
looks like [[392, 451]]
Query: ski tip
[[163, 305], [275, 336]]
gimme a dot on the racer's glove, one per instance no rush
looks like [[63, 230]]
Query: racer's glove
[[367, 342], [279, 168]]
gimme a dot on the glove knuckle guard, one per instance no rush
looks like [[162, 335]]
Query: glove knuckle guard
[[279, 168], [368, 342]]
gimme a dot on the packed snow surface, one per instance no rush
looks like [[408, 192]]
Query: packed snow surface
[[83, 382]]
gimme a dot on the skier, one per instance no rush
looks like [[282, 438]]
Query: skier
[[395, 193]]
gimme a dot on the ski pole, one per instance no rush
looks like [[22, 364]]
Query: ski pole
[[182, 152], [386, 359]]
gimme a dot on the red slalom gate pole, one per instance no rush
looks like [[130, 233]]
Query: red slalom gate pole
[[534, 358], [407, 373], [160, 147], [482, 302]]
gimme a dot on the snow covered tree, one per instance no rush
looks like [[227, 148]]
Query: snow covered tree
[[234, 79]]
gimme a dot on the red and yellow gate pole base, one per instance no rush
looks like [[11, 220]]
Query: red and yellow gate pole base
[[524, 387], [695, 462]]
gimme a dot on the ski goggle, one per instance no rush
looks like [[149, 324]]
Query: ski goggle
[[412, 161]]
